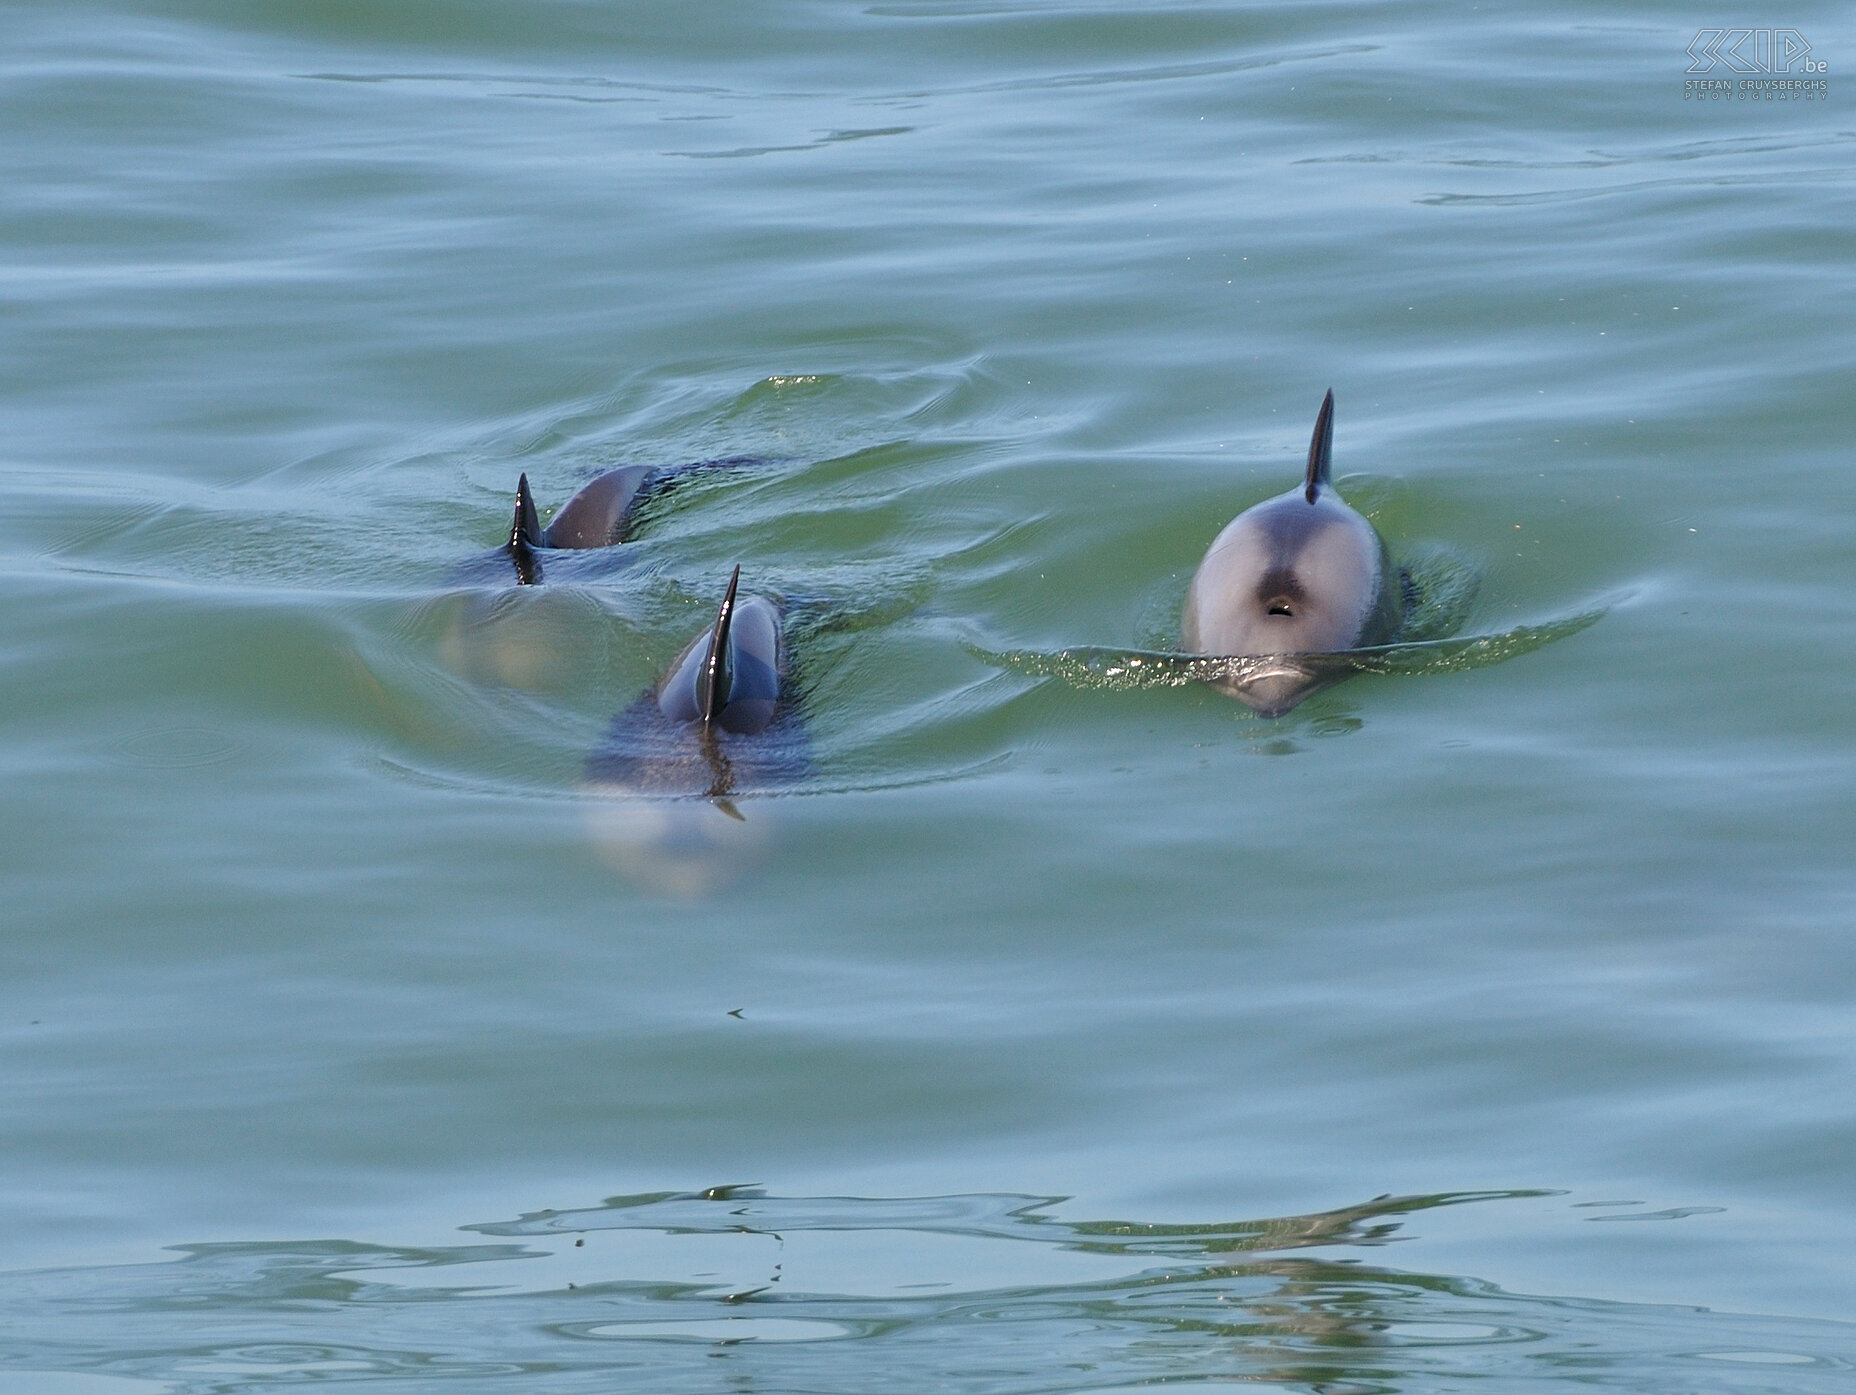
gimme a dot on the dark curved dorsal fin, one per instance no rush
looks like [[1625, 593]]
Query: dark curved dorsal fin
[[525, 536], [1321, 447], [718, 674]]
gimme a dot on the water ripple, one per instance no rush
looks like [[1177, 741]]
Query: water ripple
[[677, 1291]]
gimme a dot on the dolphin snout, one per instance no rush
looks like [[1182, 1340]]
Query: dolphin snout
[[1270, 691]]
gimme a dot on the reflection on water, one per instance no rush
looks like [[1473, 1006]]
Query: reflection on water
[[730, 1288], [679, 847]]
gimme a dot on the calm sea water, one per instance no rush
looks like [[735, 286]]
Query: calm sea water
[[1485, 1027]]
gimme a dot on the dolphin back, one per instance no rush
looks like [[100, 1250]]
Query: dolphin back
[[721, 718], [601, 513], [730, 677]]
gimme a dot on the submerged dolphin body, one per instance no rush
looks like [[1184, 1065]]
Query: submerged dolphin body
[[495, 629], [502, 624], [1301, 574]]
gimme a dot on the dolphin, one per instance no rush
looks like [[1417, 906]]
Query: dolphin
[[601, 515], [721, 717], [480, 638], [598, 516], [1296, 576]]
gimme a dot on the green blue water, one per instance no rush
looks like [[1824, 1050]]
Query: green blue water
[[1486, 1023]]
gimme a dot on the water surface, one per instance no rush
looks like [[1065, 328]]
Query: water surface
[[1483, 1023]]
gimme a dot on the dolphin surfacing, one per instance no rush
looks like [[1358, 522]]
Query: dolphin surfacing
[[1297, 575], [721, 719], [598, 516], [601, 515]]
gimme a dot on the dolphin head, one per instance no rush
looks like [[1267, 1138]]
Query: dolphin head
[[1299, 574]]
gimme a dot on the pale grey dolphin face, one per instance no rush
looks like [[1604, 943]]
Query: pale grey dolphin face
[[1302, 573], [1286, 577]]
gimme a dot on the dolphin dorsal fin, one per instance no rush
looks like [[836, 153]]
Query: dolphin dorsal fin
[[525, 536], [718, 675], [1321, 447]]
